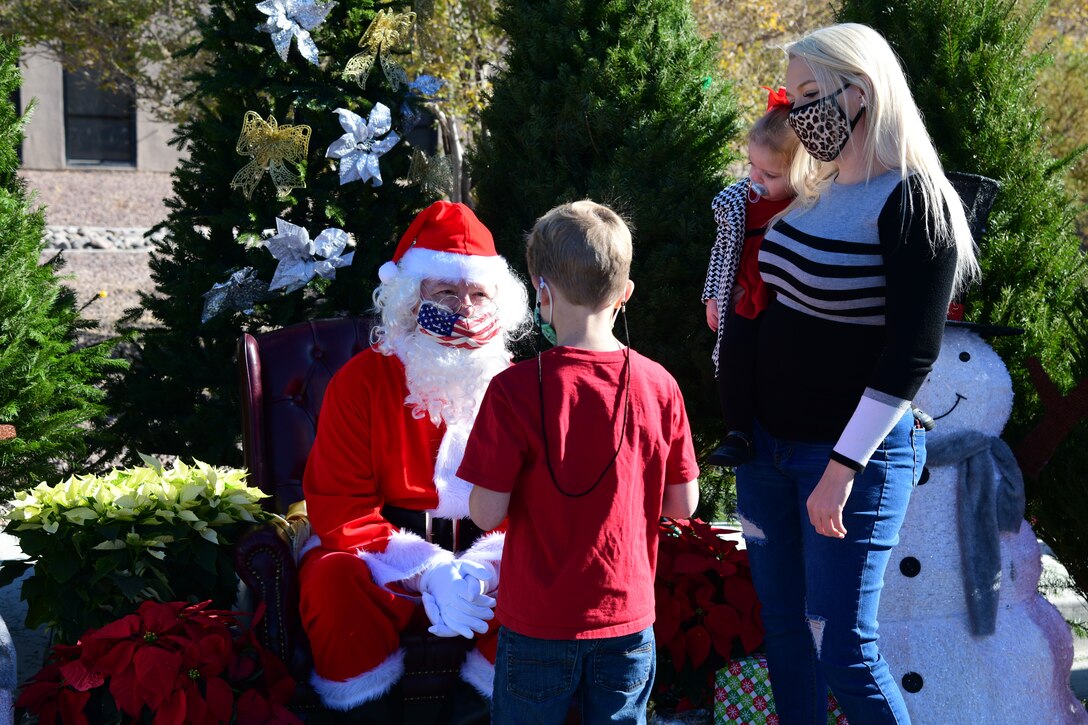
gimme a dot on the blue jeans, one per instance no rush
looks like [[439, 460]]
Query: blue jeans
[[820, 595], [536, 679]]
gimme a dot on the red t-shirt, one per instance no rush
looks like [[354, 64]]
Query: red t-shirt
[[756, 294], [580, 567]]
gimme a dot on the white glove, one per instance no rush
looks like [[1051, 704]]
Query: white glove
[[454, 599]]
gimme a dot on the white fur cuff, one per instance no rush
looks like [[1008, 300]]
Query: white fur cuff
[[479, 673], [488, 551], [362, 688], [405, 557]]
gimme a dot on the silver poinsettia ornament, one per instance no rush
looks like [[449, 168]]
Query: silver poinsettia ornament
[[292, 247], [293, 19], [364, 143]]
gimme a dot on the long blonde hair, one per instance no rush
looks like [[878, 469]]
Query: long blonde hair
[[854, 54]]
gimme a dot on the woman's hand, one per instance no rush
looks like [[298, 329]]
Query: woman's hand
[[712, 314], [828, 499]]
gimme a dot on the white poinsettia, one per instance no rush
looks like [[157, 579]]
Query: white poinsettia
[[293, 19], [364, 143], [292, 246], [201, 495]]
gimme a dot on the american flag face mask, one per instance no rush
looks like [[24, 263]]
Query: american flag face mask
[[454, 329]]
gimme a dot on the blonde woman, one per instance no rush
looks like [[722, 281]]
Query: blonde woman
[[862, 265]]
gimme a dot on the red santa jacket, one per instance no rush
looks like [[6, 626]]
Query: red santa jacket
[[370, 451]]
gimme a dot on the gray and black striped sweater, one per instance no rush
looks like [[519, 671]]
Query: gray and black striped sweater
[[860, 302]]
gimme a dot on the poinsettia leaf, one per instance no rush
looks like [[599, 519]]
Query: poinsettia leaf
[[691, 563], [71, 705], [115, 659], [724, 568], [724, 624], [173, 710], [12, 570], [122, 628], [220, 698], [80, 676], [252, 709], [677, 650], [156, 669], [697, 643], [125, 692], [706, 596], [157, 617], [35, 695], [196, 707], [740, 594]]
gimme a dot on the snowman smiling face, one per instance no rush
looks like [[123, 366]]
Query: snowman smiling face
[[969, 387]]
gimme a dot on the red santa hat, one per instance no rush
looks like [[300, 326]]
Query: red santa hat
[[445, 241]]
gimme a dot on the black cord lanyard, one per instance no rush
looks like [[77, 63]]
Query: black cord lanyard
[[623, 426]]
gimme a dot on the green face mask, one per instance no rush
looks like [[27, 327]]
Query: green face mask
[[546, 328]]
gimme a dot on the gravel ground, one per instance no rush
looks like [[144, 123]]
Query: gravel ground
[[100, 198], [109, 199]]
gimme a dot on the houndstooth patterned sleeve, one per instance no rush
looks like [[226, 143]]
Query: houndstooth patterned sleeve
[[728, 208]]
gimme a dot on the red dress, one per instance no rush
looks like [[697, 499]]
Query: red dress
[[756, 294]]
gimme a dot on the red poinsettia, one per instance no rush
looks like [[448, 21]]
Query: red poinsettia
[[707, 610], [175, 662]]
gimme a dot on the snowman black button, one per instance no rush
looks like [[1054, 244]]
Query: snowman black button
[[912, 682], [910, 566]]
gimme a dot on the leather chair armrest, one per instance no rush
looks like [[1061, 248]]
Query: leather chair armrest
[[264, 560]]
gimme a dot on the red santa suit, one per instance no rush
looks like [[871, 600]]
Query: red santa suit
[[358, 578]]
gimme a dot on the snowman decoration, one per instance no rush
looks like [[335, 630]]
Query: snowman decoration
[[962, 625]]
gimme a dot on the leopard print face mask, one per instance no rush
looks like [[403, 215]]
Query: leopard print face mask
[[822, 126]]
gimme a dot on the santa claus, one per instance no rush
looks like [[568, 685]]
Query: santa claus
[[391, 520]]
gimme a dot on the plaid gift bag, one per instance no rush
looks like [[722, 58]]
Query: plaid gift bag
[[742, 695]]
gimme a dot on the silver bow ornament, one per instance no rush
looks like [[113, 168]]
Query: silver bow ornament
[[291, 245], [241, 291], [293, 19], [360, 148]]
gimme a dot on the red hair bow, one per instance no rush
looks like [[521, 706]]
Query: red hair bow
[[776, 98]]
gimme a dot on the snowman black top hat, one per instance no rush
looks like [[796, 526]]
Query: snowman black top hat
[[978, 194], [955, 319]]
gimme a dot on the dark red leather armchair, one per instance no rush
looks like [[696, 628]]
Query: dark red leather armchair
[[283, 377]]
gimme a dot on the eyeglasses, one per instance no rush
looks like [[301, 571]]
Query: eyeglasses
[[456, 305]]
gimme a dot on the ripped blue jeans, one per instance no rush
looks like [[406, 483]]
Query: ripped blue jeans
[[820, 595]]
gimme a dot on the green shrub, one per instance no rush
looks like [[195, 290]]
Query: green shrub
[[101, 545], [48, 385], [617, 102]]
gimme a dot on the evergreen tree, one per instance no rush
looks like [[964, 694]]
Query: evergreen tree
[[47, 384], [975, 83], [181, 395], [615, 101]]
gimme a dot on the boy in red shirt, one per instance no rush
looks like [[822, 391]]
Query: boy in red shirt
[[584, 448]]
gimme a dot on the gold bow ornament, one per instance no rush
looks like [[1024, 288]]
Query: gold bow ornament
[[432, 174], [389, 32], [272, 147]]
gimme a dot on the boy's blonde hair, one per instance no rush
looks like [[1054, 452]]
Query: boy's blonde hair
[[583, 249]]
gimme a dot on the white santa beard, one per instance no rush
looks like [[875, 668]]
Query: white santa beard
[[447, 384]]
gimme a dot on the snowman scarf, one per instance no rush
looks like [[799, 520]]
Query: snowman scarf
[[988, 501]]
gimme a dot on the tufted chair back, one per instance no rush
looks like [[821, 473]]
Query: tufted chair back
[[284, 374]]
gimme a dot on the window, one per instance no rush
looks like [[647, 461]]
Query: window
[[99, 126]]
